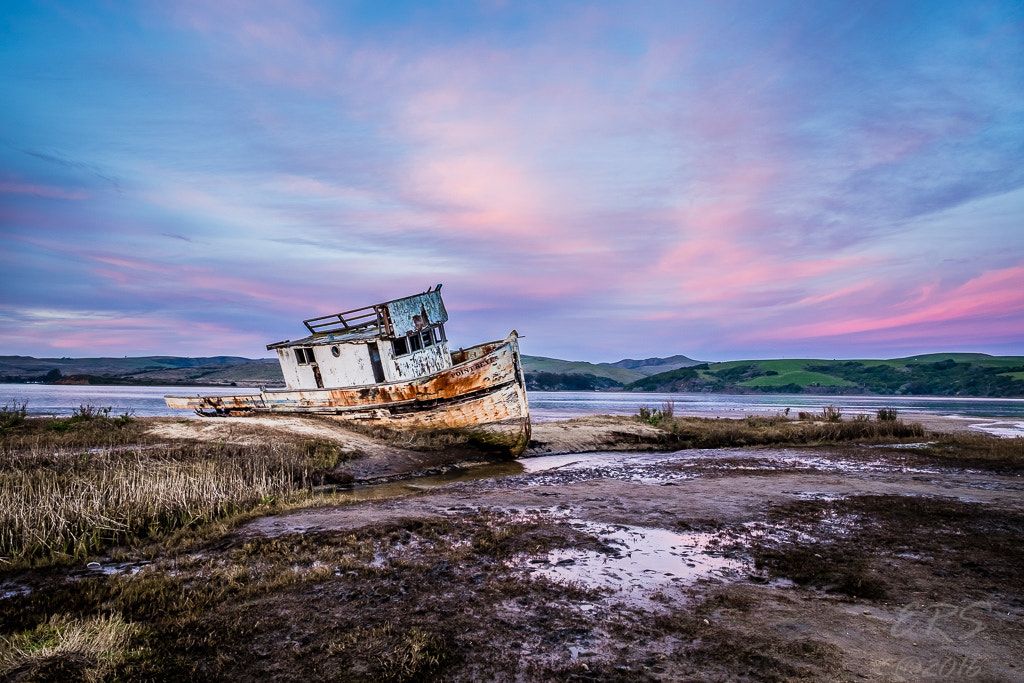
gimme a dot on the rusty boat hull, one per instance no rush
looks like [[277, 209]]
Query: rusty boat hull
[[482, 396]]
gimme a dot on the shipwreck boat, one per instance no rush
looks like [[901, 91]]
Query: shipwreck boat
[[390, 363]]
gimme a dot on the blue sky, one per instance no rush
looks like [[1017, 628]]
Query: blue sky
[[724, 180]]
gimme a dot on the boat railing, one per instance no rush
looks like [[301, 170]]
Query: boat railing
[[346, 321]]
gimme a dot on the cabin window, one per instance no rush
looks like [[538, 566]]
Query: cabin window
[[418, 341], [335, 351], [304, 356]]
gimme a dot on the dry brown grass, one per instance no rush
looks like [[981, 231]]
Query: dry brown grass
[[975, 449], [700, 432], [82, 430], [68, 493], [75, 649], [93, 500]]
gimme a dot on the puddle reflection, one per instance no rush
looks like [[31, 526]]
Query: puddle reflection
[[407, 487], [646, 561]]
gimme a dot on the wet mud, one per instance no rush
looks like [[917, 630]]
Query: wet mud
[[861, 562], [765, 564]]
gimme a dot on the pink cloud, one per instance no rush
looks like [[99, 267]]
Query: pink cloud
[[137, 335], [994, 295]]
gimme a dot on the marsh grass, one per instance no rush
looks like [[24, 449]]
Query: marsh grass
[[831, 414], [962, 448], [81, 430], [67, 494], [700, 432], [74, 649], [974, 449], [887, 414], [12, 414], [404, 654], [656, 416], [95, 500]]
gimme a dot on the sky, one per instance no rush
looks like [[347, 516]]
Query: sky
[[724, 180]]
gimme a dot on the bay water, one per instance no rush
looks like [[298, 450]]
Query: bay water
[[545, 406]]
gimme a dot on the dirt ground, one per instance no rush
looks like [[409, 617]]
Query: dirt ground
[[586, 561], [593, 557]]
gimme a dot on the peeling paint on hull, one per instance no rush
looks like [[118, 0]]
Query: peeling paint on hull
[[482, 395]]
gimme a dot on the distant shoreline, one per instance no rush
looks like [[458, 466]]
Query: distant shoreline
[[731, 390], [119, 382]]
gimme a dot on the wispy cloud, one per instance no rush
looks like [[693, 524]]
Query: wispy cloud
[[41, 191], [710, 179]]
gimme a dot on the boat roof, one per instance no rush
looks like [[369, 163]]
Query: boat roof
[[394, 318], [329, 338]]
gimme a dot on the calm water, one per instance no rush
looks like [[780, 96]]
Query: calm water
[[560, 405], [545, 406], [59, 400]]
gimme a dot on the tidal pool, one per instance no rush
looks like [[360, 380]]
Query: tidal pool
[[645, 562]]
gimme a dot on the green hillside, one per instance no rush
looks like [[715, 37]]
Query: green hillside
[[26, 365], [940, 374], [535, 364], [802, 378], [678, 377], [981, 358]]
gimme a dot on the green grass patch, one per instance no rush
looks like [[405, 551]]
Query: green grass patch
[[981, 359], [802, 377]]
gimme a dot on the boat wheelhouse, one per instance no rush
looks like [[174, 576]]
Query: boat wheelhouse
[[394, 341]]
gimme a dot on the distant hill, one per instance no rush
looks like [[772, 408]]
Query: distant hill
[[169, 370], [552, 374], [939, 374], [534, 364], [653, 366]]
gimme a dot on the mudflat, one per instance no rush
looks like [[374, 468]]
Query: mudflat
[[598, 557]]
